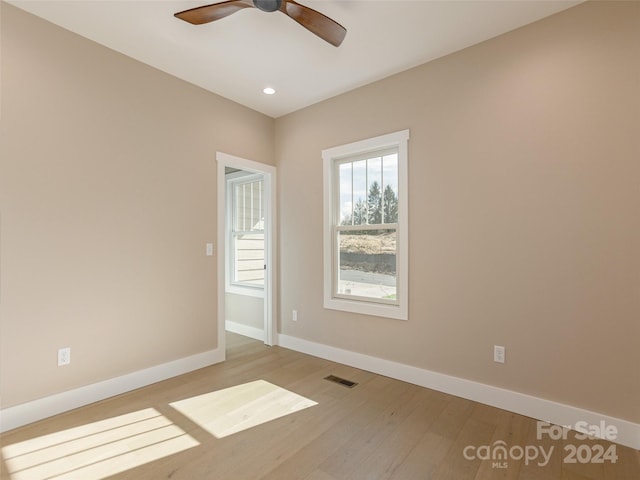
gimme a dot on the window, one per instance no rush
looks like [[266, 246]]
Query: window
[[365, 243], [246, 233]]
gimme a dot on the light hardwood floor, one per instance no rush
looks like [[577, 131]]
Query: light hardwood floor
[[380, 429]]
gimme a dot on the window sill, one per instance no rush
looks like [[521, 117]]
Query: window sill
[[367, 308], [246, 291]]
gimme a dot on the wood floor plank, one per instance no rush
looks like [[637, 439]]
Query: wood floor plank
[[455, 466], [625, 467], [569, 475], [392, 450], [352, 460], [552, 470], [344, 416], [424, 459], [589, 469], [452, 419], [512, 429], [322, 419], [319, 475]]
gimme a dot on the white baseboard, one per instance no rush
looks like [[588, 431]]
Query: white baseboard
[[628, 433], [246, 330], [23, 414]]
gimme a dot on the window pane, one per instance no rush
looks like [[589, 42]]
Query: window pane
[[249, 213], [346, 194], [239, 208], [360, 192], [257, 216], [249, 259], [367, 263], [390, 188]]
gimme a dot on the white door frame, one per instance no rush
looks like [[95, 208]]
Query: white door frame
[[269, 172]]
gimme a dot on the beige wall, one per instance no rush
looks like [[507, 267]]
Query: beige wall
[[524, 221], [108, 196]]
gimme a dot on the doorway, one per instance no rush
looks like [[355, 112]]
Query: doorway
[[246, 248]]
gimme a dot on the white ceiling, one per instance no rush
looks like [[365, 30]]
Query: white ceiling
[[238, 56]]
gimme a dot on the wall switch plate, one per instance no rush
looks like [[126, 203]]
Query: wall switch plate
[[209, 249], [498, 354], [294, 315], [64, 356]]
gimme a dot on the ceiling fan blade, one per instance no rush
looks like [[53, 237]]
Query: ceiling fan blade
[[209, 13], [324, 27]]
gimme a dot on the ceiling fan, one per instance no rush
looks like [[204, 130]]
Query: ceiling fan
[[324, 27]]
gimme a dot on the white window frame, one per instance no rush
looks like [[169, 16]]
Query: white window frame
[[331, 157], [230, 286]]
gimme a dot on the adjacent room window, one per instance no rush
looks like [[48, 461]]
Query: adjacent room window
[[365, 244], [246, 232]]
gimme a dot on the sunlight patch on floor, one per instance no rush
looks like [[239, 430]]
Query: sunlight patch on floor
[[238, 408], [97, 450]]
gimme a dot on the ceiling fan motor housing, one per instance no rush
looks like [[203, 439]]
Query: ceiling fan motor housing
[[268, 5]]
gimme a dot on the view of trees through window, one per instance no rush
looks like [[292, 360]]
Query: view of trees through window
[[376, 209], [367, 230]]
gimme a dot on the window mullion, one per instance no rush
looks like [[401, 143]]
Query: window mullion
[[371, 227], [381, 189], [366, 191], [242, 209], [260, 214], [353, 210]]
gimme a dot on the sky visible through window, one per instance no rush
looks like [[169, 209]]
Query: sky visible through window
[[357, 179]]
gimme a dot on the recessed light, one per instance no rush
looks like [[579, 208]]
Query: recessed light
[[269, 91]]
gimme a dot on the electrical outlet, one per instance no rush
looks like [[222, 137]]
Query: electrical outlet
[[498, 354], [294, 315], [209, 249], [64, 356]]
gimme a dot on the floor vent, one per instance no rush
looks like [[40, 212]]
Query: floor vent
[[341, 381]]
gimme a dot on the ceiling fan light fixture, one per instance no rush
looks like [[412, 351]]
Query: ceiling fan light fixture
[[268, 90]]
